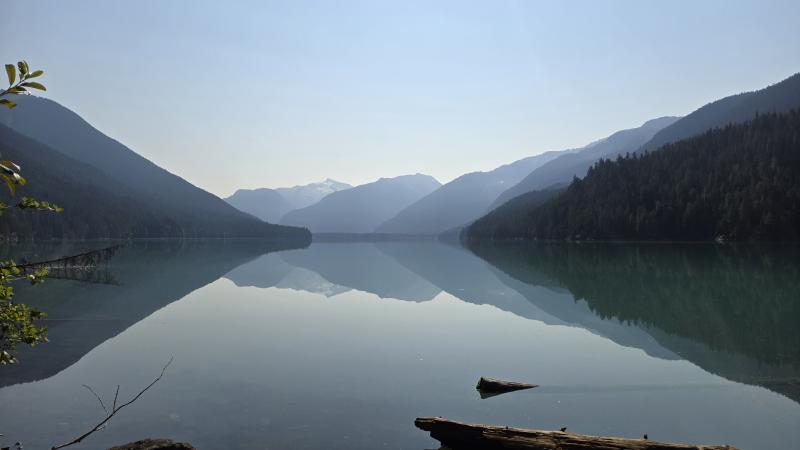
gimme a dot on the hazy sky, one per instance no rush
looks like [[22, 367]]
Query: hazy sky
[[267, 94]]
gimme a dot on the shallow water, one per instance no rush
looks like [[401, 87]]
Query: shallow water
[[342, 345]]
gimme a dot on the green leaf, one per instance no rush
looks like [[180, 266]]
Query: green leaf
[[12, 73], [23, 68], [7, 103], [9, 166], [34, 85], [35, 74], [12, 188]]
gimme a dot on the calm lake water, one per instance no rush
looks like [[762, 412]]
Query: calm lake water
[[342, 345]]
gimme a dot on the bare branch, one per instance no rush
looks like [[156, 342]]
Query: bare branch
[[116, 395], [96, 396], [114, 411]]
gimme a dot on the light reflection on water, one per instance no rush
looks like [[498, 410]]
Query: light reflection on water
[[342, 345]]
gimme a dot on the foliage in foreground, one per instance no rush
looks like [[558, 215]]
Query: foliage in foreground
[[17, 319]]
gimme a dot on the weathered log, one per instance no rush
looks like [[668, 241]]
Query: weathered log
[[489, 387], [154, 444], [464, 436]]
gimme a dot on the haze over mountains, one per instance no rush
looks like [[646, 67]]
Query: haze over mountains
[[107, 190], [270, 205], [726, 170], [308, 194], [363, 208], [575, 164], [779, 97], [462, 200]]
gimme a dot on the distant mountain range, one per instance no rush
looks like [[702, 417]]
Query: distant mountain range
[[308, 194], [270, 205], [736, 180], [363, 208], [107, 190], [468, 197], [465, 199], [462, 200]]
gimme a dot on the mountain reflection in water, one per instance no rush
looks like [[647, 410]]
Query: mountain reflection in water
[[341, 345]]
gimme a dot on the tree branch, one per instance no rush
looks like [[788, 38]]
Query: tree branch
[[96, 396], [114, 410]]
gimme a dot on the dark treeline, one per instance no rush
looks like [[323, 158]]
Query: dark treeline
[[740, 182], [510, 220]]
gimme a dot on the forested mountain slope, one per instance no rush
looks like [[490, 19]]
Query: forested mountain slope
[[565, 167], [511, 218], [779, 97], [740, 182], [108, 190]]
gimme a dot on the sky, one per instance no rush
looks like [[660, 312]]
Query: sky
[[254, 94]]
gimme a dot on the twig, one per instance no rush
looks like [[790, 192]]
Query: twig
[[116, 394], [114, 410], [96, 396]]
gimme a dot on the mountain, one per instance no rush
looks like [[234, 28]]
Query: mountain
[[575, 164], [308, 194], [462, 200], [740, 182], [510, 220], [270, 205], [779, 97], [93, 203], [362, 208], [266, 204], [108, 190]]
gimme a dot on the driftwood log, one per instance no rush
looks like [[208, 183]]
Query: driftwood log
[[464, 436], [489, 387], [154, 444]]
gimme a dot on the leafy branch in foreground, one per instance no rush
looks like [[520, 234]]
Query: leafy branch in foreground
[[32, 203], [10, 172], [17, 319], [21, 85], [114, 408]]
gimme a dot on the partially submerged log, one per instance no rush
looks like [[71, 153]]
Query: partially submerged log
[[154, 444], [489, 387], [464, 436]]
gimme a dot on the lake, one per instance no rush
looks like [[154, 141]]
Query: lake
[[342, 345]]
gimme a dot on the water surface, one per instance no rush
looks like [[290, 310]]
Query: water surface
[[342, 345]]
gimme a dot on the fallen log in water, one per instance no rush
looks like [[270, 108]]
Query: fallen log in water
[[465, 436], [489, 387], [154, 444]]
